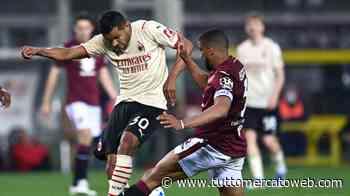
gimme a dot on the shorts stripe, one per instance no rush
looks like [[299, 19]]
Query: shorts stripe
[[191, 150]]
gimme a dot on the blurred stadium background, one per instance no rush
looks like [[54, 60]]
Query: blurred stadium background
[[314, 36]]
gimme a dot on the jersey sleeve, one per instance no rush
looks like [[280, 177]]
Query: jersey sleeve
[[95, 46], [277, 59], [224, 85], [161, 34]]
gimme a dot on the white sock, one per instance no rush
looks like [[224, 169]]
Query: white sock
[[256, 166], [281, 167], [121, 175]]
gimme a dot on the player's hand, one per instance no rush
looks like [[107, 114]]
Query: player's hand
[[272, 104], [169, 90], [5, 98], [169, 121], [184, 48], [45, 109], [28, 52]]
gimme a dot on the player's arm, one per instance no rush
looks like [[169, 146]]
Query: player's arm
[[59, 54], [167, 37], [199, 76], [5, 97], [279, 77], [279, 82], [51, 83], [107, 83], [219, 110]]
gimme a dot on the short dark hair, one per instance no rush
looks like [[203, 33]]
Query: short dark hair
[[215, 38], [109, 20], [85, 16]]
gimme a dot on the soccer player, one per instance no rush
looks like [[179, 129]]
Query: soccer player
[[219, 144], [82, 104], [137, 51], [5, 98], [265, 71]]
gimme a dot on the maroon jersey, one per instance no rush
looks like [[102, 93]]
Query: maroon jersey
[[82, 78], [227, 79]]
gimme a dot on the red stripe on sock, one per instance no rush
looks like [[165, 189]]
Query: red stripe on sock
[[121, 171], [118, 181], [124, 167], [121, 177]]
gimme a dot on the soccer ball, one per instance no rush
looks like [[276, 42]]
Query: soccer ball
[[157, 192]]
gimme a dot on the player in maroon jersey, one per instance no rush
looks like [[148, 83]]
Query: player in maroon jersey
[[5, 98], [218, 145], [82, 103]]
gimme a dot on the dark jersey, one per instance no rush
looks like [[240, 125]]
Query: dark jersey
[[226, 135], [82, 78]]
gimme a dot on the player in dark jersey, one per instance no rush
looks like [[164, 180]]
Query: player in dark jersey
[[82, 102], [5, 98], [218, 145]]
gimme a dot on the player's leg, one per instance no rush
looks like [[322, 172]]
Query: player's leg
[[229, 177], [272, 143], [181, 162], [167, 167], [231, 191], [270, 140], [122, 169], [87, 121], [254, 155], [141, 126], [82, 155], [252, 124]]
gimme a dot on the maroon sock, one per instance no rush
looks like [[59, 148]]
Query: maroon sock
[[143, 187], [138, 189]]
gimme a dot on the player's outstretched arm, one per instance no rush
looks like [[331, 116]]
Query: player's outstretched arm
[[219, 110], [59, 54]]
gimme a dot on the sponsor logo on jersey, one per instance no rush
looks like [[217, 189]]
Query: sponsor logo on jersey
[[134, 64]]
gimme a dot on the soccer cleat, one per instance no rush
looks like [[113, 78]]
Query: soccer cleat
[[82, 188], [157, 192]]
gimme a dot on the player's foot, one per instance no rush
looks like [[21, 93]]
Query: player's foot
[[254, 185], [280, 177], [82, 188]]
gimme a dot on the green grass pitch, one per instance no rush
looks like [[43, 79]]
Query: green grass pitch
[[56, 184]]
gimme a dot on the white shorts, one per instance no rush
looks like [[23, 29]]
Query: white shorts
[[85, 116], [196, 156]]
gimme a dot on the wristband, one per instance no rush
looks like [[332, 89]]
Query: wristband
[[182, 124]]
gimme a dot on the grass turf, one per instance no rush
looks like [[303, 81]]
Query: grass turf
[[56, 184]]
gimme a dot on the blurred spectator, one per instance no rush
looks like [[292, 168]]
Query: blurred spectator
[[27, 153], [291, 107]]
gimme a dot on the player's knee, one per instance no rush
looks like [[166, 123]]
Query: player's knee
[[128, 143], [84, 137], [251, 136], [271, 143]]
